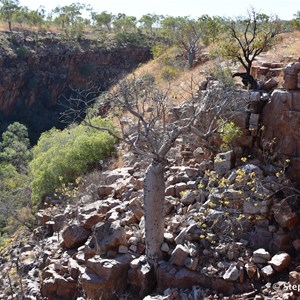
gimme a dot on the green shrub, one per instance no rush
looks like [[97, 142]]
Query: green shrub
[[15, 146], [229, 132], [133, 38], [158, 50], [14, 194], [62, 155]]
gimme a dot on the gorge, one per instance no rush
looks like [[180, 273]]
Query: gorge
[[37, 69]]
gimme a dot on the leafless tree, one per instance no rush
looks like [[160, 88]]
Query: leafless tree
[[146, 124]]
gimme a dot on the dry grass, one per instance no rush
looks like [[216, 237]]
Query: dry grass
[[41, 28], [286, 50], [187, 81], [181, 87]]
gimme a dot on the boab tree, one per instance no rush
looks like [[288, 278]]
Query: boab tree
[[247, 38], [141, 110]]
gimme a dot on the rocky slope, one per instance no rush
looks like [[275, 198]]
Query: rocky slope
[[36, 69], [228, 231], [231, 224]]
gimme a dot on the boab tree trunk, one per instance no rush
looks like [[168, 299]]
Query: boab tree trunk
[[154, 194]]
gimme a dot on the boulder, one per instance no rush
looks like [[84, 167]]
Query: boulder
[[261, 256], [170, 276], [179, 255], [280, 134], [105, 279], [58, 287], [267, 271], [232, 273], [105, 190], [75, 235], [280, 262], [189, 197], [270, 84], [284, 215], [92, 220], [224, 162], [191, 263], [180, 187], [107, 236], [294, 280], [291, 76]]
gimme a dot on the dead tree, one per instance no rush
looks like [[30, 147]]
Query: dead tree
[[141, 110]]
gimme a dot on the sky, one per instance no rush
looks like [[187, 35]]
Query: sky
[[284, 9]]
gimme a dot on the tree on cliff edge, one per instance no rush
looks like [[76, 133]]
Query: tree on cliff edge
[[141, 110], [7, 9], [247, 38]]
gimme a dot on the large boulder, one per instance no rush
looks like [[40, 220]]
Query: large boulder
[[58, 287], [280, 261], [291, 73], [75, 235], [224, 162], [106, 279], [107, 236]]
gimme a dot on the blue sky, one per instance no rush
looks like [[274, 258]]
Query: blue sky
[[230, 8]]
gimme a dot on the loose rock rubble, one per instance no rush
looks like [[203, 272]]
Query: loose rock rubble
[[231, 232]]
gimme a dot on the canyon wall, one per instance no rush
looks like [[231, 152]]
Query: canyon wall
[[37, 70]]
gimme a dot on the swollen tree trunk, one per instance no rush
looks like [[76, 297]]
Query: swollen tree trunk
[[191, 56], [154, 194]]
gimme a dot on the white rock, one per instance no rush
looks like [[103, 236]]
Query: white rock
[[232, 273], [261, 256]]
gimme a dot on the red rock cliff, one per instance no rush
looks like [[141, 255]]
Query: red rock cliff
[[40, 70]]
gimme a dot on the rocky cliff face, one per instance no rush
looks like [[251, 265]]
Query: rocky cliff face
[[281, 117], [271, 121], [37, 70]]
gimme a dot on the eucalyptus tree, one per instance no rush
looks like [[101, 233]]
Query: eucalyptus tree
[[70, 15], [148, 22], [104, 19], [296, 20], [7, 9], [31, 17], [186, 33], [124, 23]]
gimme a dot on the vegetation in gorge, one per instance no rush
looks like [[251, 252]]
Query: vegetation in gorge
[[28, 175], [60, 156]]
